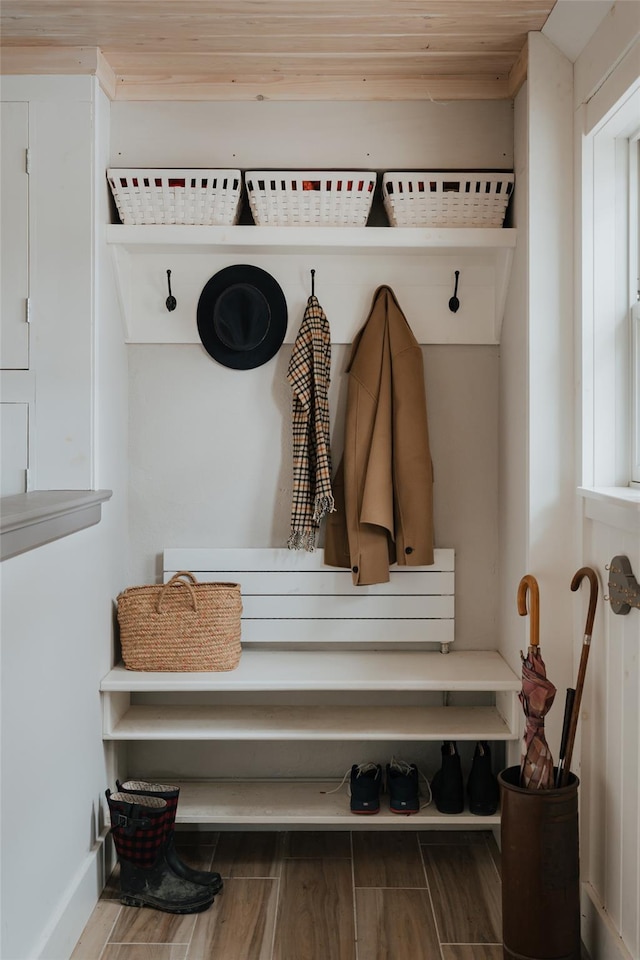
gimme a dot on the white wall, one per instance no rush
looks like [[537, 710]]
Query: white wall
[[57, 628], [537, 387], [609, 521], [513, 462], [210, 447]]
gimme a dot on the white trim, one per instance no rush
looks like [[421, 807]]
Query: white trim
[[613, 506], [598, 933], [75, 906]]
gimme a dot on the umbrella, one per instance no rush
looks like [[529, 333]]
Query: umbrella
[[536, 697], [574, 696]]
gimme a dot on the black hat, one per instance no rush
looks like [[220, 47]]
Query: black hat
[[242, 316]]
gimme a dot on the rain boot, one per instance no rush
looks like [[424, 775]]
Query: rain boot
[[482, 785], [170, 794], [447, 785], [146, 879]]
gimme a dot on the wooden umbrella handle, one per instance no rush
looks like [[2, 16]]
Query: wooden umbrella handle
[[529, 585], [582, 669], [578, 577]]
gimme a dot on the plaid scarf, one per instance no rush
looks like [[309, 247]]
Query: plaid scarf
[[309, 374]]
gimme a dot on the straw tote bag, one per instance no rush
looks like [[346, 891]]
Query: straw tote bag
[[182, 625]]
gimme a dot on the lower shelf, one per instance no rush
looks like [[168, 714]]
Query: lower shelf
[[297, 804]]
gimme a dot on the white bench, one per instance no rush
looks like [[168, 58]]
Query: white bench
[[327, 655]]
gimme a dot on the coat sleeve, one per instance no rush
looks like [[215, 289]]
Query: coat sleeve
[[413, 470]]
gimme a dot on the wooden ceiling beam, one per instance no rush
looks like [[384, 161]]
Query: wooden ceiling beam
[[313, 88], [347, 44], [518, 72], [235, 67]]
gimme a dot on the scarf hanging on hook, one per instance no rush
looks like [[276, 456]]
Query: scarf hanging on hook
[[309, 374]]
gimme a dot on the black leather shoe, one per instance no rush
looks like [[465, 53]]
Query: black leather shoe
[[447, 785], [482, 785]]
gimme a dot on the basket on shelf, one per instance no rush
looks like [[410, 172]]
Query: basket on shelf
[[181, 626], [449, 199], [326, 198], [203, 197]]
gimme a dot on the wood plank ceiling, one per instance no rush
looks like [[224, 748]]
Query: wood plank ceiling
[[277, 49]]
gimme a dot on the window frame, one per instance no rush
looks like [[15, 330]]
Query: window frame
[[634, 312], [609, 375]]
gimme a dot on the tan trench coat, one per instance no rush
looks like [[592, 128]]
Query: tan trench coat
[[384, 484]]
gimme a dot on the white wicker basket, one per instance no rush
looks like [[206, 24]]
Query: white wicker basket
[[210, 197], [326, 198], [452, 199]]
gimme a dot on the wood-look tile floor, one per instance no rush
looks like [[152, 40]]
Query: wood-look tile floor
[[373, 895]]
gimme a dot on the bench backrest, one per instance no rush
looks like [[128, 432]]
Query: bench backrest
[[291, 598]]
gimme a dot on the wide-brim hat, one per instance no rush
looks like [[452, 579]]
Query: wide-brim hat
[[242, 316]]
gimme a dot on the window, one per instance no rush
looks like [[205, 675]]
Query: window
[[610, 311]]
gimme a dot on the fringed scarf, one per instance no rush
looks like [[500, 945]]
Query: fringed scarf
[[309, 374]]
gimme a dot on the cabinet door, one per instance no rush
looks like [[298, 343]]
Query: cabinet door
[[14, 447], [14, 236]]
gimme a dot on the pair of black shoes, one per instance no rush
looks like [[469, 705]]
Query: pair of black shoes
[[482, 786], [366, 785]]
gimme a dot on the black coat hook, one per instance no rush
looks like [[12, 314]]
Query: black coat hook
[[171, 302], [313, 283], [454, 303]]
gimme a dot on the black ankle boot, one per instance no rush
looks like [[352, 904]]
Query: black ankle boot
[[146, 879], [482, 785], [170, 794], [447, 786]]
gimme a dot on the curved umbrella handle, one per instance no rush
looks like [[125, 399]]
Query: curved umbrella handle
[[529, 585], [578, 577], [582, 669]]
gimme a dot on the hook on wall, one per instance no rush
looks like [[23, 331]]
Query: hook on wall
[[313, 283], [624, 589], [454, 303], [171, 303]]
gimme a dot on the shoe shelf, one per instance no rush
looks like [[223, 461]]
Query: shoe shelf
[[299, 804], [132, 712], [249, 722]]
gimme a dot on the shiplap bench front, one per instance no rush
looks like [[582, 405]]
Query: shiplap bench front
[[307, 630]]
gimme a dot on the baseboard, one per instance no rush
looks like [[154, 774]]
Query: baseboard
[[599, 935], [74, 908]]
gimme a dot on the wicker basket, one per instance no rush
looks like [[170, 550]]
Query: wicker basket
[[203, 197], [181, 626], [314, 198], [446, 199]]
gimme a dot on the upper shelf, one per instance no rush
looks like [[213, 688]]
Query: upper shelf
[[350, 262], [195, 239]]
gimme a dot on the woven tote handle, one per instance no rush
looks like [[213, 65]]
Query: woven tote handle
[[177, 581], [182, 573]]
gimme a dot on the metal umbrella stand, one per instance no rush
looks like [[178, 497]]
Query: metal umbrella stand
[[539, 828]]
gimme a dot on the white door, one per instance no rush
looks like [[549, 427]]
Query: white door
[[14, 236]]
